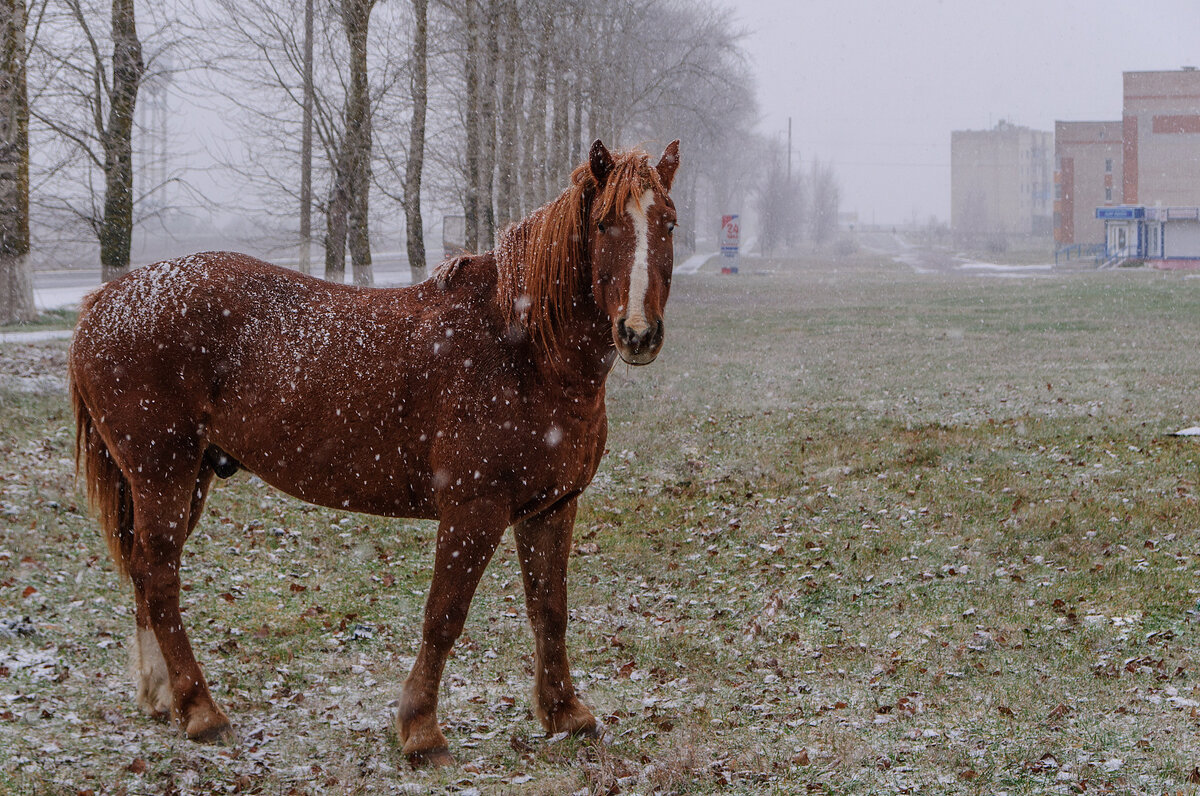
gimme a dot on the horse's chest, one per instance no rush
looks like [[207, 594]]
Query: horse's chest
[[534, 453], [573, 449]]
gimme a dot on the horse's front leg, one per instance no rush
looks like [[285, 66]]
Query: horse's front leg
[[467, 537], [543, 546]]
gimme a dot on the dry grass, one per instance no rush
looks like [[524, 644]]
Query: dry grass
[[860, 531]]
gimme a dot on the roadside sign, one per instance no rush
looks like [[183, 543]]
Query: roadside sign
[[731, 231], [730, 235]]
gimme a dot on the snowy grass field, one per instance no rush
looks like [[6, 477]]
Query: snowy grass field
[[860, 531]]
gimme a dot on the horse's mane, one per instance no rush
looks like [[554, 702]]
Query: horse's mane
[[539, 259]]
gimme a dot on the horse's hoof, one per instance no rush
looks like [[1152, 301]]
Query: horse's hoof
[[219, 733], [579, 723], [438, 757], [588, 730]]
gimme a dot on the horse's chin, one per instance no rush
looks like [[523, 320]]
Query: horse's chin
[[639, 358]]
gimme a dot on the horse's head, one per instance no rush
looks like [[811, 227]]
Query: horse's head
[[630, 247]]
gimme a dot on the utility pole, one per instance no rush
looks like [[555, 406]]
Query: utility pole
[[154, 111], [789, 149]]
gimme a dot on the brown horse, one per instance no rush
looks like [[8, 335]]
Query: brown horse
[[475, 398]]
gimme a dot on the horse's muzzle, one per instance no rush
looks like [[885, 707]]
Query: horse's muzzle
[[638, 347]]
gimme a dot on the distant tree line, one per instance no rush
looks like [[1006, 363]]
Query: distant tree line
[[348, 112], [795, 206]]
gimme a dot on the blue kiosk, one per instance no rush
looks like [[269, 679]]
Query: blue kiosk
[[1166, 235]]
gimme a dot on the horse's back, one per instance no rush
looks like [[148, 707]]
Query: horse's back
[[147, 302], [191, 319]]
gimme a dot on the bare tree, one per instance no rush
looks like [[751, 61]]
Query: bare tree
[[306, 142], [508, 198], [16, 281], [780, 203], [87, 105], [255, 64], [485, 197], [347, 218], [116, 230], [414, 229], [472, 103]]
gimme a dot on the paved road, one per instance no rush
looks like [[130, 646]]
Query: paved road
[[929, 260]]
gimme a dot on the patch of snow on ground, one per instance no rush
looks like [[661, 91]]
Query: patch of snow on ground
[[694, 263], [35, 337], [997, 269], [40, 664]]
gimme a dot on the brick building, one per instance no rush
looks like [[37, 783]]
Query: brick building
[[1088, 158], [1158, 163]]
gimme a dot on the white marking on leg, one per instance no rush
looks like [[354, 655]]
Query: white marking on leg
[[639, 276], [149, 671]]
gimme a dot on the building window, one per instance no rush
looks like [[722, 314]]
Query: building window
[[1108, 166], [1108, 194], [1058, 190]]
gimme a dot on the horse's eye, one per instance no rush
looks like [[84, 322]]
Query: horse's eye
[[670, 226], [600, 227]]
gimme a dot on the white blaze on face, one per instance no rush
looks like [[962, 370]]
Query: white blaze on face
[[639, 276]]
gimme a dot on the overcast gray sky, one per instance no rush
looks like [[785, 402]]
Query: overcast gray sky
[[876, 86]]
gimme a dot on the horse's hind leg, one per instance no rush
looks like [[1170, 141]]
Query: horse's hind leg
[[146, 663], [164, 514], [543, 546]]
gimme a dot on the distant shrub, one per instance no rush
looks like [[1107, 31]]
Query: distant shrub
[[844, 247]]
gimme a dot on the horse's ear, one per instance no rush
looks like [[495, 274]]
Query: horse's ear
[[670, 161], [600, 161]]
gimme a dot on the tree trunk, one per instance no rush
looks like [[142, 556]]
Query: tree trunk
[[534, 163], [471, 67], [485, 198], [561, 126], [507, 191], [556, 141], [116, 230], [356, 16], [16, 281], [575, 154], [306, 146], [414, 225], [335, 223]]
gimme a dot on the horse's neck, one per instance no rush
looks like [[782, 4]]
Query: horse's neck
[[585, 349]]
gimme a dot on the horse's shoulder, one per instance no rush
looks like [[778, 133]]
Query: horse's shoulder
[[465, 272]]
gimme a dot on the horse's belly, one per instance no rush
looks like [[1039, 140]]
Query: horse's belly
[[327, 462], [366, 489]]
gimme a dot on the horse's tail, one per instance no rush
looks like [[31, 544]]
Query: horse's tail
[[108, 491]]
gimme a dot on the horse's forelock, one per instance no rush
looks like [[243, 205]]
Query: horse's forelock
[[630, 178]]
